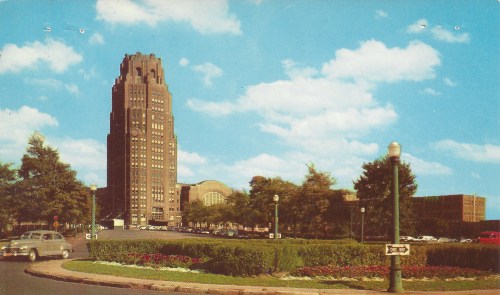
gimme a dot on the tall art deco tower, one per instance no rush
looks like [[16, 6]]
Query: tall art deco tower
[[142, 146]]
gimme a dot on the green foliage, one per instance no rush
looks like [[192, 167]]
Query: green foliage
[[254, 257], [7, 196], [48, 187], [314, 199], [374, 189], [485, 257], [242, 260]]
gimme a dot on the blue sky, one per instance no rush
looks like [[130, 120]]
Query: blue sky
[[266, 87]]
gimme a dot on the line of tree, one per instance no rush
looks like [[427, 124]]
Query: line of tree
[[315, 208], [41, 188]]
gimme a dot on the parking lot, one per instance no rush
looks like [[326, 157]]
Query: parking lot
[[120, 234]]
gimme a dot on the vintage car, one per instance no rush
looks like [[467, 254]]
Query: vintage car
[[489, 237], [38, 243]]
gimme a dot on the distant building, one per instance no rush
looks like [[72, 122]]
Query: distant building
[[142, 183], [210, 192], [142, 146], [452, 208]]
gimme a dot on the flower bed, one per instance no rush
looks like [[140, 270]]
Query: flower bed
[[160, 260], [416, 272]]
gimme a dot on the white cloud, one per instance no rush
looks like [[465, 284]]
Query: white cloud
[[56, 55], [374, 62], [475, 175], [442, 34], [432, 91], [187, 162], [96, 38], [418, 27], [422, 167], [380, 14], [184, 62], [323, 116], [204, 16], [85, 155], [18, 126], [54, 84], [189, 158], [209, 72], [293, 71], [81, 154], [437, 32], [487, 153], [87, 75], [448, 82], [256, 2]]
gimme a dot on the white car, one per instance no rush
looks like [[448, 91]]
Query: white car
[[425, 239], [407, 238]]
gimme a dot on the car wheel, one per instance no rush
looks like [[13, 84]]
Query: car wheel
[[65, 254], [32, 255]]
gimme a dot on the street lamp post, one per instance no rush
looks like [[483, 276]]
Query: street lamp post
[[395, 282], [362, 224], [93, 188], [276, 199]]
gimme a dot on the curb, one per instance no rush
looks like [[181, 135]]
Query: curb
[[52, 270]]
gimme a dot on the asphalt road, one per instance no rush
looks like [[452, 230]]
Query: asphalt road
[[13, 280]]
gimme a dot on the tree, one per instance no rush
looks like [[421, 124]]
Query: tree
[[374, 188], [261, 202], [195, 212], [8, 206], [314, 199], [339, 213], [49, 187], [239, 208]]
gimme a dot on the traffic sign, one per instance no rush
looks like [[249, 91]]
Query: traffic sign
[[397, 249], [89, 236]]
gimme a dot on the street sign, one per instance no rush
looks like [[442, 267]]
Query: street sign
[[89, 236], [397, 249]]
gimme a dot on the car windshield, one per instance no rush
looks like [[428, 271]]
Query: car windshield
[[31, 236]]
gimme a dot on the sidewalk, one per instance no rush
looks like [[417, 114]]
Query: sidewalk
[[53, 269]]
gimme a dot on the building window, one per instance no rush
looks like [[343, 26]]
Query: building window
[[212, 198]]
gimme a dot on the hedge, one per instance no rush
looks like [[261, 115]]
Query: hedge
[[254, 257], [484, 257]]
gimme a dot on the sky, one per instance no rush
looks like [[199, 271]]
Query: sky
[[266, 87]]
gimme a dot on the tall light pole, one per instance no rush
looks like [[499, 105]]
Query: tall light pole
[[276, 200], [93, 188], [362, 224], [395, 282]]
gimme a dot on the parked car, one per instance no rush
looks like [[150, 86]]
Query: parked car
[[407, 238], [445, 240], [37, 243], [489, 237], [425, 239]]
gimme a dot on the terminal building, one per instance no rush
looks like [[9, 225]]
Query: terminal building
[[142, 183]]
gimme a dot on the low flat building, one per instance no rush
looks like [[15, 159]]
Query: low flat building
[[453, 208]]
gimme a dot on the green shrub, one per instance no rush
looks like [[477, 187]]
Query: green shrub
[[242, 260], [253, 257], [484, 257]]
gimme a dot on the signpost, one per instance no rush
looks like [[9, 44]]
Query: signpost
[[56, 222], [397, 249]]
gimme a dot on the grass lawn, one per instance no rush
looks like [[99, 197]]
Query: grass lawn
[[271, 281]]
